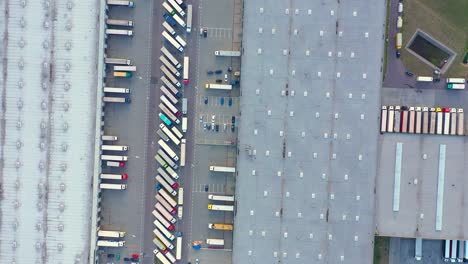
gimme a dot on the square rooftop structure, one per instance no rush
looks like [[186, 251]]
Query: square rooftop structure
[[421, 187], [48, 94], [311, 81]]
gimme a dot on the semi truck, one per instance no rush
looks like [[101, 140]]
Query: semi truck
[[218, 207], [171, 40], [113, 186], [418, 249], [456, 86], [106, 176], [418, 120], [114, 234], [184, 124], [222, 169], [116, 90], [215, 242], [119, 164], [114, 157], [227, 53], [399, 40], [169, 65], [108, 99], [460, 124], [425, 117], [169, 28], [179, 246], [121, 3], [161, 257], [223, 198], [383, 119], [119, 22], [120, 32], [117, 61], [399, 22], [162, 135], [216, 86], [433, 118], [123, 74], [227, 227], [171, 57], [114, 147], [125, 68], [453, 121], [160, 245], [109, 243], [163, 239], [109, 138]]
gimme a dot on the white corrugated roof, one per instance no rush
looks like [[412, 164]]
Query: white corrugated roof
[[49, 95]]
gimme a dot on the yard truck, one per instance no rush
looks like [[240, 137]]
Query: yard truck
[[227, 227], [222, 169], [109, 138], [228, 53], [118, 61], [121, 3]]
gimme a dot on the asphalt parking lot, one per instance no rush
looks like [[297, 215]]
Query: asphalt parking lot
[[402, 251]]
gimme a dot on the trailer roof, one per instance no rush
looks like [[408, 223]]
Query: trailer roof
[[48, 91], [308, 134]]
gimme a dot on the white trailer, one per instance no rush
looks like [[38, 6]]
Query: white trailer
[[424, 79], [106, 176], [215, 242], [172, 173], [116, 90], [109, 138], [383, 119], [446, 123], [108, 243], [120, 32], [176, 7], [453, 121], [109, 99], [170, 86], [171, 57], [179, 20], [163, 230], [223, 198], [169, 28], [228, 53], [112, 186], [166, 185], [117, 61], [218, 207], [168, 113], [168, 150], [182, 153], [169, 65], [161, 257], [169, 95], [119, 22], [181, 41], [114, 157], [114, 234], [184, 124], [216, 86], [126, 68], [169, 134], [163, 239], [121, 3], [162, 220], [179, 246], [168, 198], [159, 244], [460, 124], [165, 213], [115, 164], [164, 203], [222, 169], [114, 147], [171, 40], [169, 75], [166, 158], [189, 18], [177, 132], [184, 106]]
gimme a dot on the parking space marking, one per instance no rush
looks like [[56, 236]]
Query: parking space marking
[[212, 188], [219, 32]]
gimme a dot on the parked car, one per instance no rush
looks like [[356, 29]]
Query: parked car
[[206, 100], [233, 119], [398, 54], [232, 128], [230, 101], [219, 71], [409, 73], [219, 81], [221, 101], [217, 128], [225, 77], [206, 187], [209, 72]]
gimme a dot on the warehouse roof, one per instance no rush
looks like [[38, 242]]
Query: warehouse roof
[[307, 140], [48, 94]]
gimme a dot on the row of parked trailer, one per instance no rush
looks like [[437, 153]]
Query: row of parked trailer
[[114, 155], [173, 108], [422, 120], [455, 251]]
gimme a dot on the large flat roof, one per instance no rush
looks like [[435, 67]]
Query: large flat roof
[[308, 131], [48, 91]]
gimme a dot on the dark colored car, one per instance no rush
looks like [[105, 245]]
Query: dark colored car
[[206, 100], [409, 73], [229, 69], [110, 255], [217, 128], [205, 33], [398, 54], [219, 81], [183, 6], [127, 259], [221, 101], [206, 187], [219, 71], [230, 101], [233, 119], [209, 72], [232, 127]]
